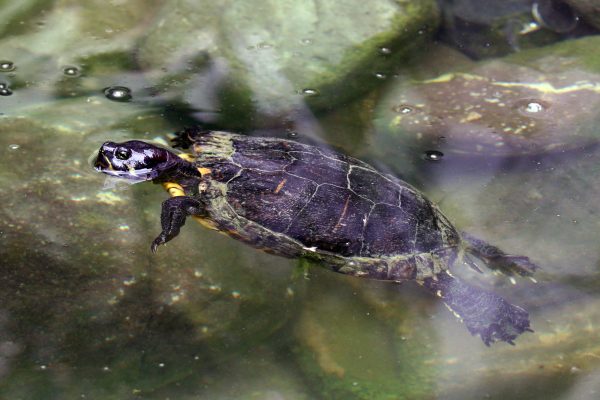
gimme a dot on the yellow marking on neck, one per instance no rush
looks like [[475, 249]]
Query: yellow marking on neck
[[187, 157], [204, 171], [191, 158], [174, 189]]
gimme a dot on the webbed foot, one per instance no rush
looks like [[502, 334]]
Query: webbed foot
[[497, 259], [485, 314], [499, 322], [174, 212]]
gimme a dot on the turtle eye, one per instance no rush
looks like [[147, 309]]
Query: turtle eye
[[122, 153]]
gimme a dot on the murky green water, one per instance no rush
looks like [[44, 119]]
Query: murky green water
[[491, 112]]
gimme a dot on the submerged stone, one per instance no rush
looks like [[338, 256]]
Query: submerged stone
[[255, 57], [588, 9], [77, 266], [366, 340], [489, 28], [537, 102]]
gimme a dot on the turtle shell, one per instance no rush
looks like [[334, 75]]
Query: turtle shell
[[297, 200]]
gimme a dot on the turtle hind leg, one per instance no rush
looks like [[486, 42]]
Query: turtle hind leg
[[497, 259], [174, 212], [485, 314]]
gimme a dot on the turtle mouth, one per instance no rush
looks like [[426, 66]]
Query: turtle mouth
[[102, 163], [138, 175]]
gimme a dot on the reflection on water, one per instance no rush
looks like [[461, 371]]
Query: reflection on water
[[498, 125]]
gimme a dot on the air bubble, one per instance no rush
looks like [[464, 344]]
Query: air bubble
[[402, 109], [6, 66], [292, 134], [433, 155], [310, 92], [13, 147], [71, 71], [386, 51], [265, 46], [555, 15], [533, 107], [118, 93], [306, 42], [380, 75]]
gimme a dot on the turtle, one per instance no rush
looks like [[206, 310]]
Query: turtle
[[304, 201]]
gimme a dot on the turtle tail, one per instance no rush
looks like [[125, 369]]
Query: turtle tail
[[485, 314]]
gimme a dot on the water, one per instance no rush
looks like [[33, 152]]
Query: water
[[503, 137]]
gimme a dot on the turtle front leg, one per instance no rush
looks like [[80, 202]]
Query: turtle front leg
[[174, 212], [498, 259]]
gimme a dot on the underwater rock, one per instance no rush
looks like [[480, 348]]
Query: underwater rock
[[359, 339], [82, 293], [536, 102], [489, 28], [43, 38], [262, 374], [589, 10], [365, 340], [273, 57]]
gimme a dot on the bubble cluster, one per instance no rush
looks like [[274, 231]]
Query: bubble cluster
[[5, 90]]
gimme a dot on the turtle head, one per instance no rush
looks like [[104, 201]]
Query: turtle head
[[135, 160]]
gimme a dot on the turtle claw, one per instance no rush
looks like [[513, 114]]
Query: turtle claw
[[157, 242], [511, 265], [174, 212]]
